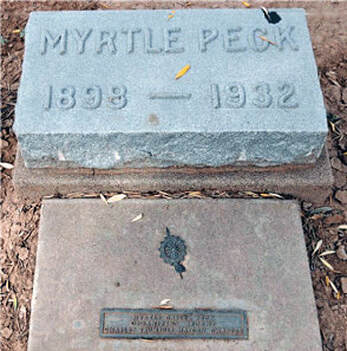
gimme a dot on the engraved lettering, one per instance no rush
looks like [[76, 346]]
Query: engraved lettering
[[235, 95], [131, 38], [66, 98], [286, 100], [263, 97], [58, 40], [215, 98], [106, 39], [169, 39], [91, 97], [117, 99], [230, 38], [48, 103], [81, 39], [206, 36], [149, 43], [255, 42], [285, 35]]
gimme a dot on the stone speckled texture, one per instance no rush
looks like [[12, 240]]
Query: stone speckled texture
[[247, 254], [133, 126], [312, 184]]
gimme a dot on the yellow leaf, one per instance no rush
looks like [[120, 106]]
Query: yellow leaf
[[327, 264], [116, 198], [327, 281], [265, 195], [166, 307], [182, 72], [137, 218], [195, 194], [267, 40], [16, 31], [246, 4], [318, 245], [338, 295]]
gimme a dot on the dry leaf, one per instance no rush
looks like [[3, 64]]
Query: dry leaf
[[328, 252], [166, 307], [16, 31], [318, 245], [195, 194], [267, 40], [327, 281], [102, 197], [164, 302], [276, 195], [327, 264], [246, 4], [342, 226], [137, 218], [182, 72], [6, 165], [116, 198]]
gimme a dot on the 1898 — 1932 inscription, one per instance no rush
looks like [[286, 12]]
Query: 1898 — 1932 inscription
[[107, 79], [173, 324]]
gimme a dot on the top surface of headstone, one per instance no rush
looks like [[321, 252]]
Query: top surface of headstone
[[99, 89]]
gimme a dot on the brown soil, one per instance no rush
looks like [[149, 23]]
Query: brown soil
[[20, 221]]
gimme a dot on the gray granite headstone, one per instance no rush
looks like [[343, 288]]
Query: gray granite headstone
[[246, 255], [98, 90]]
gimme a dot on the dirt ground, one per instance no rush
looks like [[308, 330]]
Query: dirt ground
[[324, 224]]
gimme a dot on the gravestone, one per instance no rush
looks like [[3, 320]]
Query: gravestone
[[98, 90], [100, 277]]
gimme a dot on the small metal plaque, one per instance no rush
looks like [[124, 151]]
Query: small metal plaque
[[173, 324]]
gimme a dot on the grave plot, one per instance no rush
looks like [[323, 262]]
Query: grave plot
[[101, 277]]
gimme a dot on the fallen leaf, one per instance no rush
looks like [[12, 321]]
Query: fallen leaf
[[137, 218], [195, 194], [246, 4], [318, 245], [342, 226], [267, 40], [116, 198], [166, 307], [328, 252], [182, 72], [6, 165], [164, 302], [16, 31], [327, 264], [327, 281], [102, 197]]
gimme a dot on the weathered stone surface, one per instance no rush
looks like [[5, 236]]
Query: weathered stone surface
[[312, 184], [98, 90], [245, 254]]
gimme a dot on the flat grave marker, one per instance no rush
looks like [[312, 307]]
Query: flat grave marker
[[240, 255], [98, 90]]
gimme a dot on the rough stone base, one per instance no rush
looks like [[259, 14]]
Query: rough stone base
[[245, 254], [307, 183]]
